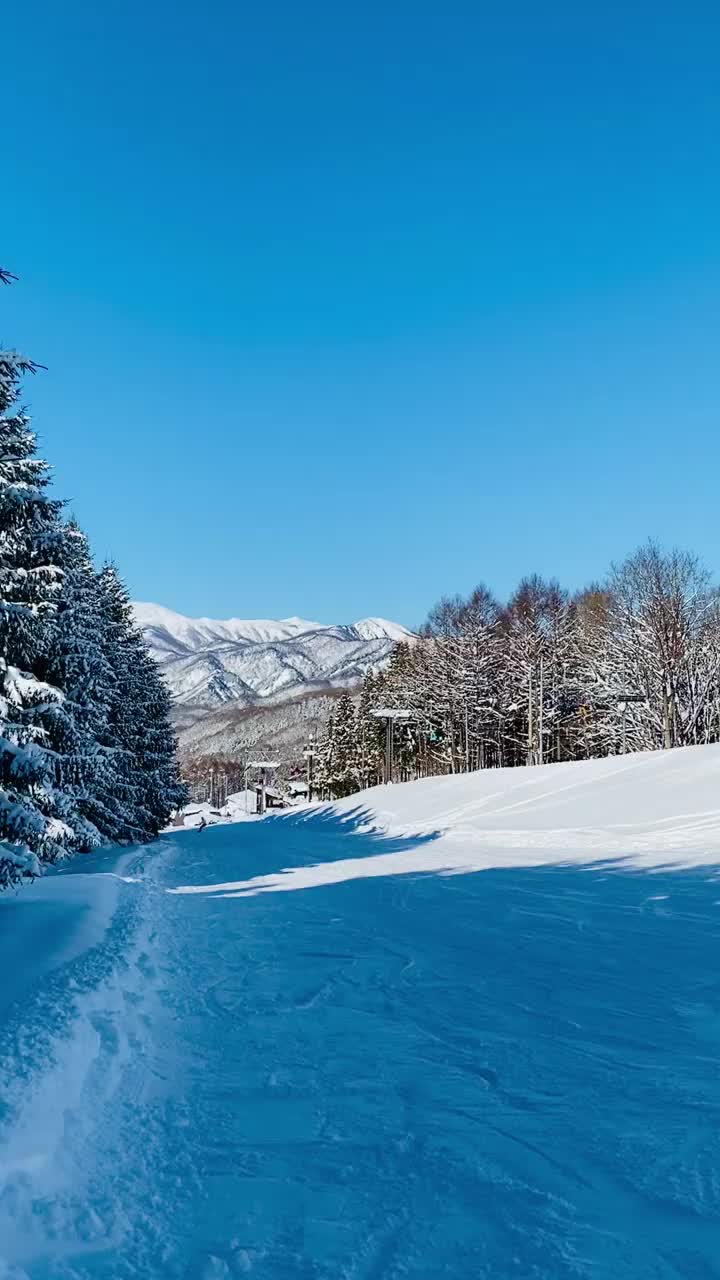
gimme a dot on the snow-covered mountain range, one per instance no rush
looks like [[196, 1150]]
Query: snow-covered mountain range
[[208, 664]]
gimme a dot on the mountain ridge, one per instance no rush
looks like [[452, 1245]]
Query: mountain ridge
[[208, 662]]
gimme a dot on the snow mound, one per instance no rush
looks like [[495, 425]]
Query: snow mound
[[652, 807]]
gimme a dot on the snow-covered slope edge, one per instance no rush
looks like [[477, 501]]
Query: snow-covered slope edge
[[646, 811], [644, 806]]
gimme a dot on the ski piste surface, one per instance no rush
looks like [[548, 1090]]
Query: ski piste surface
[[512, 1072]]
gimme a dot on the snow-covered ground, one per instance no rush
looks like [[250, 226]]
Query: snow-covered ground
[[237, 808], [652, 810], [397, 1071]]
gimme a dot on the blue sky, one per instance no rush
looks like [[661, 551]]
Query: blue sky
[[348, 306]]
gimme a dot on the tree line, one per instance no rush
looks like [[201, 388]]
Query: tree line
[[87, 753], [630, 664]]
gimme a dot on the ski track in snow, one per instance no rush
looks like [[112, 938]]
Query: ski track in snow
[[398, 1075]]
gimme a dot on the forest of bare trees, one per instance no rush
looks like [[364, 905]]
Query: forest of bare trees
[[630, 664]]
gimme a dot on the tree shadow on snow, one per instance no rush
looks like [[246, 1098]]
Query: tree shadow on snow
[[337, 836], [286, 842]]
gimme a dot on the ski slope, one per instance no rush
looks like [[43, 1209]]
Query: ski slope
[[651, 810], [401, 1069]]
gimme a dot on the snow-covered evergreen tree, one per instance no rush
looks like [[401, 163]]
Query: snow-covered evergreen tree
[[32, 825], [146, 783], [323, 760], [344, 763], [369, 731], [87, 752], [73, 661]]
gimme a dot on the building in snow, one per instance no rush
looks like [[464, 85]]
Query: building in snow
[[297, 790]]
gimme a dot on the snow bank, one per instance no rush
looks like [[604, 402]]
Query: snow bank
[[646, 805], [78, 999], [652, 810]]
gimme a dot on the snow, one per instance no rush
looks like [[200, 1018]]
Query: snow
[[201, 813], [196, 815], [240, 803], [664, 806], [406, 1073], [381, 629], [241, 733], [195, 631], [260, 630], [73, 1006], [209, 663]]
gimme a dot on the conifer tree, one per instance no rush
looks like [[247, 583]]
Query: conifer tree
[[87, 753], [146, 782], [344, 764], [161, 788], [323, 760], [30, 813], [73, 661], [369, 732]]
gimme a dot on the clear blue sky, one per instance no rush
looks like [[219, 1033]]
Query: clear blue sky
[[347, 306]]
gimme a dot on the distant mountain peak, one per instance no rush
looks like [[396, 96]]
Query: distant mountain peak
[[302, 624], [156, 615], [377, 628], [208, 663]]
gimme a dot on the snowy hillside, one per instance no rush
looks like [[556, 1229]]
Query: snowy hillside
[[649, 810], [280, 729], [652, 807], [208, 663]]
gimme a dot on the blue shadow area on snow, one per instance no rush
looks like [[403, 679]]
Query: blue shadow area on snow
[[504, 1073], [508, 1072], [239, 851], [513, 1072]]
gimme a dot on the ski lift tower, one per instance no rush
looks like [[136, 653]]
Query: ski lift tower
[[264, 766], [390, 715]]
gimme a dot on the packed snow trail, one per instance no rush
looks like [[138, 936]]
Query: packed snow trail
[[407, 1075]]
